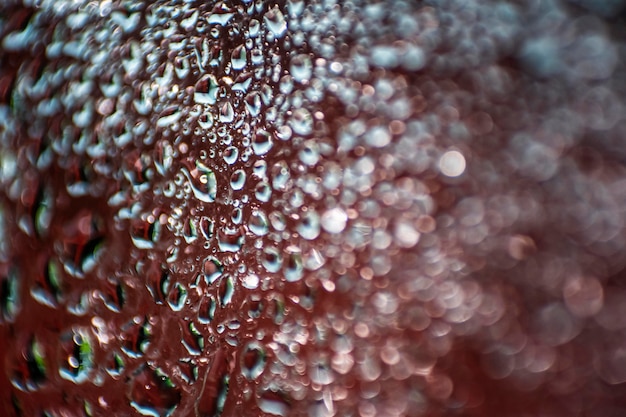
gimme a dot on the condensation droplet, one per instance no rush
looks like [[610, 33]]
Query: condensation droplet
[[334, 220], [452, 164], [253, 361], [259, 223]]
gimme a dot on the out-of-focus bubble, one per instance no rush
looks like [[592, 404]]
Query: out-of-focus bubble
[[452, 164]]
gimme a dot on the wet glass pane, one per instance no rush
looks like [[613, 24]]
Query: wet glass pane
[[312, 208]]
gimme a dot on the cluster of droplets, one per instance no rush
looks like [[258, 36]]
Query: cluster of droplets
[[307, 207]]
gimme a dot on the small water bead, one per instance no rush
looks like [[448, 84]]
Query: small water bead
[[192, 339], [334, 220], [230, 240], [226, 290], [137, 337], [206, 227], [152, 392], [253, 103], [286, 84], [271, 259], [47, 289], [274, 403], [405, 234], [212, 269], [190, 232], [206, 89], [176, 296], [30, 367], [263, 192], [250, 281], [239, 58], [284, 132], [309, 154], [238, 180], [280, 176], [262, 143], [231, 154], [452, 164], [254, 27], [277, 219], [378, 136], [301, 121], [227, 113], [237, 215], [275, 22], [259, 169], [206, 309], [294, 267], [259, 223], [205, 120], [253, 360], [77, 356], [301, 68], [309, 225], [203, 182], [145, 234]]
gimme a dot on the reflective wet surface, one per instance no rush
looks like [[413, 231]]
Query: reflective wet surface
[[312, 208]]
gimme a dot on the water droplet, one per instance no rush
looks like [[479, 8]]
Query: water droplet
[[115, 365], [272, 259], [205, 120], [206, 89], [258, 224], [29, 367], [253, 361], [280, 176], [253, 103], [334, 220], [206, 228], [76, 356], [206, 311], [378, 136], [262, 143], [112, 294], [250, 281], [320, 372], [238, 180], [452, 164], [263, 192], [238, 58], [272, 402], [309, 225], [231, 154], [203, 182], [47, 288], [275, 22], [301, 68], [405, 234], [278, 220], [169, 116], [230, 240], [309, 154], [293, 265], [226, 290], [176, 296], [136, 337], [227, 113], [212, 269], [152, 392], [193, 340], [190, 232], [215, 387], [145, 234], [301, 121]]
